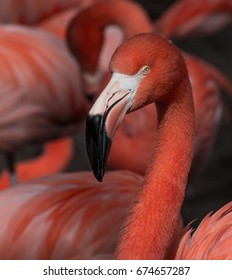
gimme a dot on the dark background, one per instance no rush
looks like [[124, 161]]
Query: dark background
[[213, 188]]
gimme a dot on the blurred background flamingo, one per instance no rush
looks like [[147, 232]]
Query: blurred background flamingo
[[84, 228], [195, 18], [58, 23], [31, 12], [41, 89], [70, 216], [54, 158]]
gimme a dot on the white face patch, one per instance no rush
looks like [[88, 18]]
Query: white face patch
[[127, 81], [119, 86]]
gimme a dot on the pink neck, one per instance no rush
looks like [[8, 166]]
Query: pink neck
[[151, 224]]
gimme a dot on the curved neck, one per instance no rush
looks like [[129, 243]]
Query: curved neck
[[151, 225], [85, 33], [119, 12]]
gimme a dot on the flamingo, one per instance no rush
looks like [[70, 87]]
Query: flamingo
[[56, 214], [41, 94], [74, 216], [149, 69], [137, 130], [54, 158], [84, 227], [194, 17], [58, 23], [92, 57], [215, 230], [33, 11]]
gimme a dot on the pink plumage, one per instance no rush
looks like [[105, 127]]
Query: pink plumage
[[33, 11], [41, 94], [211, 240], [65, 216]]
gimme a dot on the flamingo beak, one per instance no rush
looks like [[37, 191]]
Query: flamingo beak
[[105, 117]]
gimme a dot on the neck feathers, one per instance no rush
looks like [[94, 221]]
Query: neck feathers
[[152, 222]]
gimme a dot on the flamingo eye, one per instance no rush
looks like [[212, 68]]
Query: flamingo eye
[[145, 69]]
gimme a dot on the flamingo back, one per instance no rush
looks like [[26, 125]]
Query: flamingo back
[[212, 239], [40, 88], [65, 216], [31, 12]]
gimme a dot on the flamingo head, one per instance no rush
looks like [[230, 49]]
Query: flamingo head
[[144, 70]]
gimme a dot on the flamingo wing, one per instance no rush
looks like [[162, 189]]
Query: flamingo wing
[[65, 216]]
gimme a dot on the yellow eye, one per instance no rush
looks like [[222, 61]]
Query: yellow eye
[[145, 70]]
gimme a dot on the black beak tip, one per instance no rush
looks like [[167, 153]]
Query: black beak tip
[[98, 171], [97, 144], [99, 177]]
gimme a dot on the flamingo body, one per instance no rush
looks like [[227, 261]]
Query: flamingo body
[[198, 18], [69, 216], [58, 23], [55, 157], [33, 11], [211, 240], [56, 213], [40, 88]]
